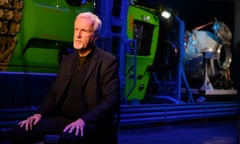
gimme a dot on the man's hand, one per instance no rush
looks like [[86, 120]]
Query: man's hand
[[30, 121], [77, 125]]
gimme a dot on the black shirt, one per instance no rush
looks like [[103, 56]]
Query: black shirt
[[74, 104]]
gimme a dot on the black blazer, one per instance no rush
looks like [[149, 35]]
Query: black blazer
[[101, 87]]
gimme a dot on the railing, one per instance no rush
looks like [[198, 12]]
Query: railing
[[145, 113], [153, 113]]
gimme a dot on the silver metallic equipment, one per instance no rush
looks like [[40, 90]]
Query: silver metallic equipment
[[207, 54]]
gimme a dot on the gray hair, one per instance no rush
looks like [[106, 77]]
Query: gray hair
[[97, 23]]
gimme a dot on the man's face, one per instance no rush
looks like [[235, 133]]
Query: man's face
[[83, 33]]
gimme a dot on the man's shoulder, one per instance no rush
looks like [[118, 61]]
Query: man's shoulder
[[105, 54], [68, 57]]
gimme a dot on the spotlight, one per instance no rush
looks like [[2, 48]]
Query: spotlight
[[166, 14]]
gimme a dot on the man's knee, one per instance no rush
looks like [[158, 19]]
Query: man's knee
[[20, 135], [66, 138]]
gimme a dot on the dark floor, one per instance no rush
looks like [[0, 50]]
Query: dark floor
[[218, 131], [210, 131]]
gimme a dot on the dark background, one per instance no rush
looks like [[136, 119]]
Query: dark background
[[198, 12]]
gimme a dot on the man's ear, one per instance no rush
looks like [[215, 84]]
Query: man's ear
[[96, 36]]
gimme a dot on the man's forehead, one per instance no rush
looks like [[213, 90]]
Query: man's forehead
[[82, 21]]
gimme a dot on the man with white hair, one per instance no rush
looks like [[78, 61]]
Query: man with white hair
[[81, 105]]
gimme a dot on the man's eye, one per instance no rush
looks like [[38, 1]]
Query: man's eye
[[85, 31]]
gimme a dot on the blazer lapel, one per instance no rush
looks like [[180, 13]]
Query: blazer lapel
[[91, 66], [65, 79]]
